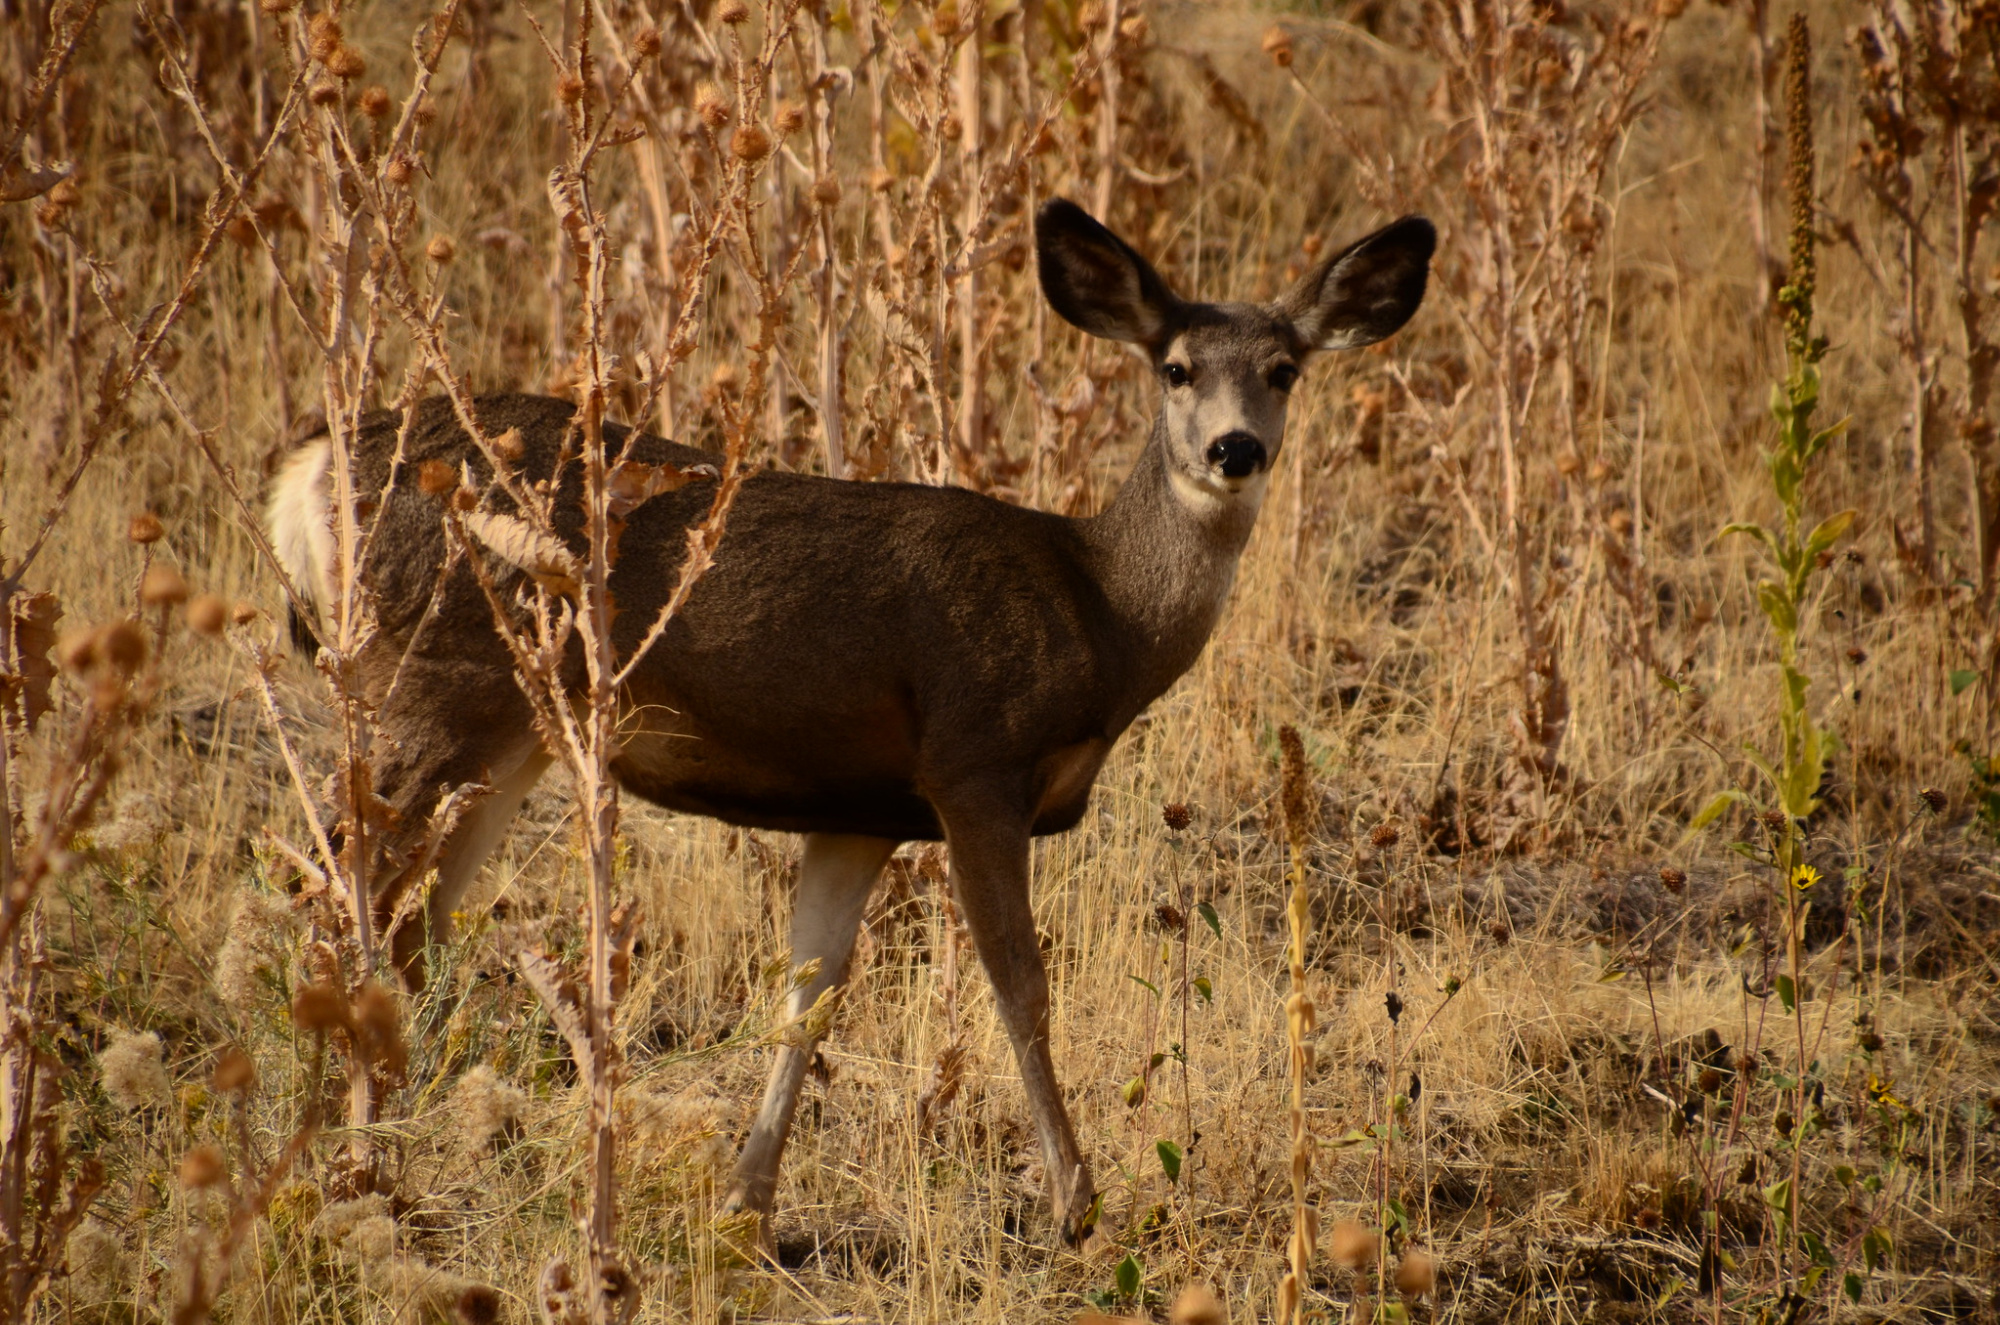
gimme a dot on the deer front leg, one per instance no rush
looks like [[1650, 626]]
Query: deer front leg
[[989, 874], [835, 878]]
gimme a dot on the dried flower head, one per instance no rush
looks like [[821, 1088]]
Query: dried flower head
[[1384, 836], [320, 1008], [400, 168], [1177, 816], [243, 612], [1198, 1305], [207, 614], [145, 528], [1709, 1081], [122, 645], [732, 12], [1351, 1243], [1673, 879], [235, 1073], [378, 1031], [323, 35], [162, 586], [826, 191], [96, 1260], [489, 1109], [325, 92], [1797, 296], [646, 42], [346, 64], [789, 119], [711, 107], [441, 250], [1415, 1275], [261, 929], [569, 89], [752, 143], [375, 102], [132, 1071], [1933, 799], [203, 1167], [1278, 45]]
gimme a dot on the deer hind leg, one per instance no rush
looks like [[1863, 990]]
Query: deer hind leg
[[835, 878], [989, 875]]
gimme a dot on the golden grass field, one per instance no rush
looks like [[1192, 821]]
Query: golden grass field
[[1556, 1151]]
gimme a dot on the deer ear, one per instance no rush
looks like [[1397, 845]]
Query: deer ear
[[1095, 280], [1366, 291]]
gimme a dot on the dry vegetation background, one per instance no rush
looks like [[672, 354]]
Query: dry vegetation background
[[1488, 590]]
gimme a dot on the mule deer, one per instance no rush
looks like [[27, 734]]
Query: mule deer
[[866, 663]]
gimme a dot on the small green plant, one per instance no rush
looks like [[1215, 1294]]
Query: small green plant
[[1793, 775]]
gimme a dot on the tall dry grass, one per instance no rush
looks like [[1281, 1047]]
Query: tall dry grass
[[1569, 961]]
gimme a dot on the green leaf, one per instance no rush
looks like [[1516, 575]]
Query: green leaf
[[1157, 1059], [1843, 1175], [1170, 1159], [1778, 607], [1828, 532], [1204, 988], [1875, 1249], [1713, 810], [1130, 1276], [1756, 531], [1779, 1196], [1398, 1215], [1788, 993], [1963, 680], [1815, 1248], [1207, 913], [1850, 1284], [1134, 1092], [1141, 980]]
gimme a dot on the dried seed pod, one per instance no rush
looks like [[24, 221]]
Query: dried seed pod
[[325, 92], [826, 191], [1384, 836], [207, 614], [789, 119], [1672, 879], [243, 613], [570, 89], [646, 42], [440, 250], [1709, 1081], [162, 586], [375, 102], [1933, 799], [1177, 816], [400, 169], [145, 528], [732, 12]]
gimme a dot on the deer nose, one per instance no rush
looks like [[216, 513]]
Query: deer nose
[[1236, 454]]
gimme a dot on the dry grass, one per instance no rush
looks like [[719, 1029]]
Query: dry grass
[[1552, 996]]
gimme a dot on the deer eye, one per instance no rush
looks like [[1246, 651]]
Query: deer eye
[[1177, 375], [1284, 376]]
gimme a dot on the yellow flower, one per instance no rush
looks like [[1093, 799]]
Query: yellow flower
[[1804, 877], [1884, 1092]]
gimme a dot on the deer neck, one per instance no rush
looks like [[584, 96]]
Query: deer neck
[[1165, 556]]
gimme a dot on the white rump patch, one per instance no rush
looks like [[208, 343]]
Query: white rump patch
[[299, 520]]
